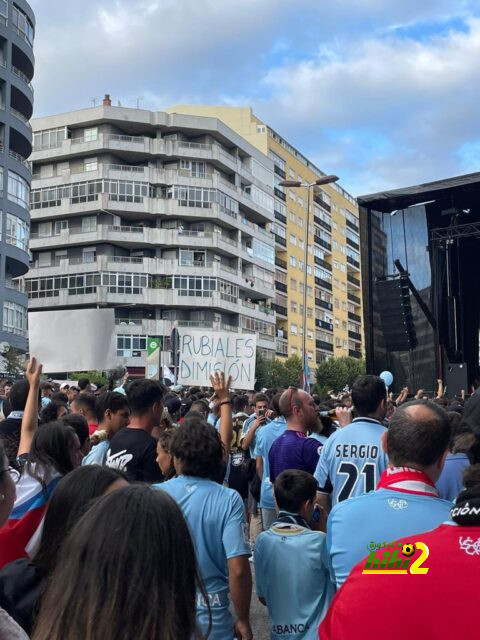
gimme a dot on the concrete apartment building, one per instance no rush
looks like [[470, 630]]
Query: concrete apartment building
[[164, 217], [334, 312], [16, 104]]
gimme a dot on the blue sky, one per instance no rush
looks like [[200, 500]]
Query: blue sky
[[384, 93]]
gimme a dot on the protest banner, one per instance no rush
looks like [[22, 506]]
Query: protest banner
[[203, 351]]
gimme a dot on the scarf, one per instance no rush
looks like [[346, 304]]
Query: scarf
[[291, 518], [466, 511], [407, 480]]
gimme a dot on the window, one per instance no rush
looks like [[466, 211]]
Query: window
[[1, 180], [126, 345], [301, 265], [120, 282], [3, 11], [310, 335], [22, 25], [89, 254], [293, 240], [293, 261], [343, 268], [280, 162], [44, 259], [278, 230], [190, 258], [18, 232], [293, 284], [263, 251], [195, 286], [309, 312], [300, 201], [228, 291], [14, 318], [291, 195], [309, 270], [18, 189], [49, 138], [301, 244], [90, 164], [338, 342], [293, 329], [309, 292], [300, 222], [293, 306], [44, 229], [257, 326], [59, 226], [301, 287], [90, 135], [89, 224], [292, 216]]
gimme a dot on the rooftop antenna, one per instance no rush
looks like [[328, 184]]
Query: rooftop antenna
[[94, 101], [137, 101]]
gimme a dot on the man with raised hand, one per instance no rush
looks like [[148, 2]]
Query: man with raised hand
[[406, 500]]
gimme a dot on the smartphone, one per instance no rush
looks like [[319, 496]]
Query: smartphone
[[261, 413]]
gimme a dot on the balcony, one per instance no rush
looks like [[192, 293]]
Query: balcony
[[322, 223], [279, 171], [353, 298], [279, 286], [323, 283], [352, 262], [280, 240], [355, 354], [323, 325], [281, 347], [352, 226], [319, 200], [22, 77], [281, 311], [280, 263], [280, 194], [280, 217], [353, 244], [324, 305], [354, 317], [322, 263], [323, 243], [354, 336], [352, 280], [326, 346]]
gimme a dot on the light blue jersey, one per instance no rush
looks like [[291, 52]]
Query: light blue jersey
[[265, 437], [216, 518], [292, 576], [384, 515], [352, 460], [97, 454]]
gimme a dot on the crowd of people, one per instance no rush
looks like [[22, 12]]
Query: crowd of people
[[139, 512]]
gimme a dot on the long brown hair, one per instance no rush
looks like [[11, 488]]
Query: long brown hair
[[127, 570]]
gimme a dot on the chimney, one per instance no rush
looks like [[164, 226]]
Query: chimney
[[106, 101]]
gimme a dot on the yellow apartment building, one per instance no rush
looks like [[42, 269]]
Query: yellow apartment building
[[334, 308]]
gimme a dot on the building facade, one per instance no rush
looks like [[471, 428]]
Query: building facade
[[164, 217], [334, 309], [17, 26]]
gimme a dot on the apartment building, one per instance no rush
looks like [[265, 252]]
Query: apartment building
[[16, 104], [163, 217], [334, 314]]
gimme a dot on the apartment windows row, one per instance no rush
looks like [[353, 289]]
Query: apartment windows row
[[14, 318], [23, 25], [17, 231], [49, 138], [86, 283], [130, 346], [3, 11], [195, 168], [257, 326], [18, 190], [87, 191]]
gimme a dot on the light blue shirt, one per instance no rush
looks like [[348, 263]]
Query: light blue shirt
[[216, 518], [291, 572], [450, 482], [381, 516], [352, 460], [45, 402], [97, 454], [264, 439]]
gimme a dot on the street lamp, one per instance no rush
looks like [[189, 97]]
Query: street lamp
[[309, 186]]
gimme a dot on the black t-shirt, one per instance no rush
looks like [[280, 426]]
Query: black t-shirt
[[238, 479], [134, 452], [10, 436]]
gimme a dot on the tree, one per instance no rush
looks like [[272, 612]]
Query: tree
[[13, 362], [96, 377], [336, 373], [276, 373]]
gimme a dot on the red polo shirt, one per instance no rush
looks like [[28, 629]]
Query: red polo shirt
[[441, 604]]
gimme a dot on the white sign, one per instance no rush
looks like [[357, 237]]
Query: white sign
[[74, 340], [203, 351]]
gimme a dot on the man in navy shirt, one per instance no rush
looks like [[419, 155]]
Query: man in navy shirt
[[293, 449]]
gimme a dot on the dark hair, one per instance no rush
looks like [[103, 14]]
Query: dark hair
[[294, 487], [165, 440], [60, 396], [260, 397], [276, 403], [132, 590], [86, 401], [200, 406], [51, 451], [143, 394], [79, 424], [471, 476], [110, 400], [240, 403], [83, 383], [18, 395], [49, 413], [367, 393], [199, 448], [70, 499], [422, 438]]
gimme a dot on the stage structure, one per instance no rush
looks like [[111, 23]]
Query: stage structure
[[421, 271]]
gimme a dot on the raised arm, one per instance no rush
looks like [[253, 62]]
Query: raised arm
[[30, 415], [220, 386]]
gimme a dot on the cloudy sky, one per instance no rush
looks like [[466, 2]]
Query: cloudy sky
[[385, 93]]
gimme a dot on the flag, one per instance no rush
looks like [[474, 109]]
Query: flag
[[306, 374], [25, 523]]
